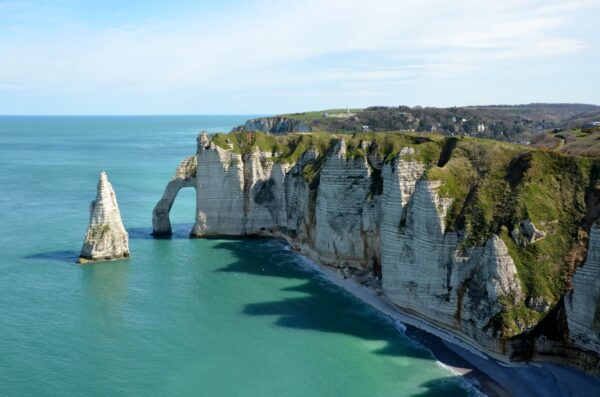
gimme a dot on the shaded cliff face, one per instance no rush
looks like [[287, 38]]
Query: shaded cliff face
[[478, 237], [583, 303]]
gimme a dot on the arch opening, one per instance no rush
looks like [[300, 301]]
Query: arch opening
[[185, 176]]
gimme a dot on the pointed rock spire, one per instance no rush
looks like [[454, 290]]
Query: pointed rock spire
[[106, 237]]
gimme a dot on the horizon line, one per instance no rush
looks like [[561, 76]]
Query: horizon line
[[260, 114], [132, 115]]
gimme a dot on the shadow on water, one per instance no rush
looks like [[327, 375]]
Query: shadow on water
[[441, 387], [327, 308], [106, 286], [62, 256], [180, 231], [314, 310]]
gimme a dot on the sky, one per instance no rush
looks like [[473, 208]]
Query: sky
[[268, 57]]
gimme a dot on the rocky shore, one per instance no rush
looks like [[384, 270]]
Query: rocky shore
[[491, 376]]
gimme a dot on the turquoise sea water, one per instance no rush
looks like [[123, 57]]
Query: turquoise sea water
[[181, 317]]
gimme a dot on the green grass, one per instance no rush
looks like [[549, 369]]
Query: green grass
[[552, 195], [244, 142], [290, 147], [475, 178], [388, 145], [315, 115], [512, 321], [96, 232], [574, 142]]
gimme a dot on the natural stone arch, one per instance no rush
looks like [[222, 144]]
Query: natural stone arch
[[185, 176]]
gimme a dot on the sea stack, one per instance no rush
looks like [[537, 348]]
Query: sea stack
[[106, 238]]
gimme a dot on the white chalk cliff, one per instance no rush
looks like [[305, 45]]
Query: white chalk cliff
[[106, 237], [583, 303], [275, 125], [339, 218]]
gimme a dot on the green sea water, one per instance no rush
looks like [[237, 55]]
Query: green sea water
[[181, 317]]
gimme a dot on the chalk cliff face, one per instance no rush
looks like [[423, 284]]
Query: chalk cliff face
[[343, 186], [274, 125], [353, 207], [185, 176], [106, 237], [583, 303], [424, 272], [236, 195]]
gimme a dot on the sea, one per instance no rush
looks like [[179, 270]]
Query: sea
[[180, 317]]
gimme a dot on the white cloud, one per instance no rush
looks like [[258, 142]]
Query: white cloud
[[274, 44]]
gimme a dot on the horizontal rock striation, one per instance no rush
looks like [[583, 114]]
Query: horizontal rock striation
[[379, 213], [106, 237], [583, 303], [343, 186]]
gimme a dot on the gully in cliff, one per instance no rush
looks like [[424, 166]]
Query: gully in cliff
[[106, 237]]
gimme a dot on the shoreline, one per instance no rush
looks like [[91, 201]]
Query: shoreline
[[480, 370]]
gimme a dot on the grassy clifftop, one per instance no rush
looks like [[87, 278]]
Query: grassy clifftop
[[290, 147]]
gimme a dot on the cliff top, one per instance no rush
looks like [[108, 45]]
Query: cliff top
[[289, 148]]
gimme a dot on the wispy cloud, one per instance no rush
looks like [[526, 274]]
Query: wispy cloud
[[281, 45]]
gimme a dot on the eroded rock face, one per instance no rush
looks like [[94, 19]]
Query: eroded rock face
[[583, 303], [343, 186], [527, 233], [219, 192], [399, 180], [540, 304], [416, 274], [425, 273], [274, 125], [185, 176], [264, 196], [238, 195], [106, 237], [492, 284]]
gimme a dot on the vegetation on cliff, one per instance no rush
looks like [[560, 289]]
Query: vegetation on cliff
[[576, 142], [497, 186], [289, 148]]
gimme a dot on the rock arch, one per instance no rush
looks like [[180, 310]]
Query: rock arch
[[185, 176]]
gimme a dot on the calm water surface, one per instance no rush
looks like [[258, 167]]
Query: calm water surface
[[181, 317]]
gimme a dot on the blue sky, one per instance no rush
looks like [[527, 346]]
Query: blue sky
[[262, 56]]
